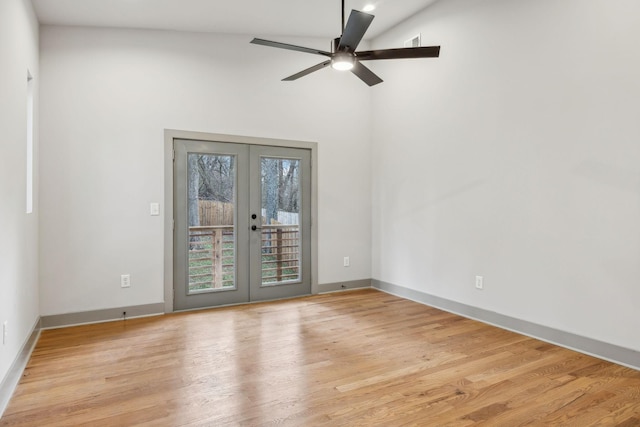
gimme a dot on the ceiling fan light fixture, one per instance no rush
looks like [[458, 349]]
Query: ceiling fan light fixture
[[370, 7], [342, 62]]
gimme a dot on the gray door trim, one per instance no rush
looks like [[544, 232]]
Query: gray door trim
[[172, 134]]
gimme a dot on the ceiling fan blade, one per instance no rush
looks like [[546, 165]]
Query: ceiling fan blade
[[289, 47], [401, 53], [307, 71], [357, 25], [365, 74]]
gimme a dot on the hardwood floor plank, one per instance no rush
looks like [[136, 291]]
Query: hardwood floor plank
[[360, 358]]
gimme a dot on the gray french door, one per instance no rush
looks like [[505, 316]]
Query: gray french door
[[242, 223]]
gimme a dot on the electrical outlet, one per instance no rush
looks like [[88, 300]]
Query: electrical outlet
[[346, 261], [125, 280], [5, 331], [479, 284]]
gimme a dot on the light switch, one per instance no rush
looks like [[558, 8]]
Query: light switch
[[154, 209]]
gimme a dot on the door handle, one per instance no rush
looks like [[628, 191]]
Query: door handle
[[255, 227]]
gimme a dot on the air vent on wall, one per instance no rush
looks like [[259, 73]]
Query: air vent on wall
[[413, 41]]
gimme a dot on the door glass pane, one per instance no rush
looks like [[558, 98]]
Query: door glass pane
[[211, 206], [280, 180]]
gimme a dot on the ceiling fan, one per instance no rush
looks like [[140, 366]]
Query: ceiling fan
[[343, 55]]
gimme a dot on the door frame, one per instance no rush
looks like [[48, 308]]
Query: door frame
[[172, 134]]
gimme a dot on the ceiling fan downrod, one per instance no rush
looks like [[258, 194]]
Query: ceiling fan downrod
[[342, 29]]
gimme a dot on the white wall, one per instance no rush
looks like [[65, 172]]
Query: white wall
[[516, 157], [19, 241], [107, 96]]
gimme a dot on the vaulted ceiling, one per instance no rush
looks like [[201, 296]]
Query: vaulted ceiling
[[302, 18]]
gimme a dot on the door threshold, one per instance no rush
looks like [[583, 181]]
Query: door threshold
[[186, 310]]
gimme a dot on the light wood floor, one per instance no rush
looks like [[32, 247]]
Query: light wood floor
[[361, 358]]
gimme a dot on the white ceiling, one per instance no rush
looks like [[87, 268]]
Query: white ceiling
[[304, 18]]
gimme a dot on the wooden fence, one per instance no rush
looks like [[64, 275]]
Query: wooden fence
[[213, 213]]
